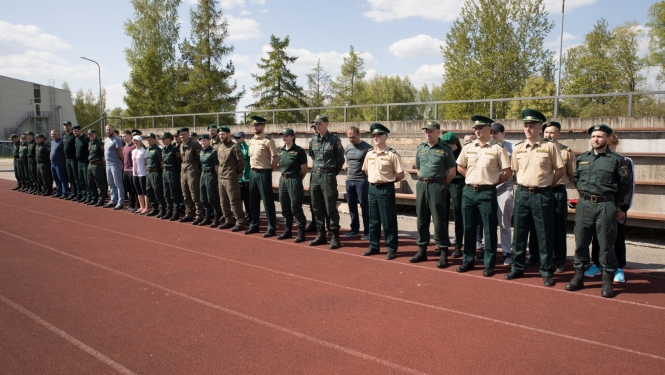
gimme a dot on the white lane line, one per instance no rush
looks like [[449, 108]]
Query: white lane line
[[397, 299], [375, 259], [115, 365], [226, 310]]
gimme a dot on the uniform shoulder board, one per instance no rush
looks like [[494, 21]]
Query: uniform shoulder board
[[422, 144], [500, 144], [370, 149], [392, 150], [468, 143], [566, 148], [519, 143], [268, 137]]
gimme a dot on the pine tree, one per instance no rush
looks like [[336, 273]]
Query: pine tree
[[318, 86], [347, 86]]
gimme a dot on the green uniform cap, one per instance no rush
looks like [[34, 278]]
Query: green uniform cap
[[377, 128], [193, 134], [151, 135], [67, 123], [30, 133], [552, 123], [203, 136], [320, 118], [13, 136], [166, 135], [40, 135], [601, 127], [479, 120], [225, 129], [258, 119], [23, 136], [287, 131], [448, 137], [211, 126], [92, 131], [432, 125], [76, 127], [183, 130], [530, 115]]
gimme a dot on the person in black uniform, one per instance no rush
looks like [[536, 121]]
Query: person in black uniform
[[69, 140], [97, 184]]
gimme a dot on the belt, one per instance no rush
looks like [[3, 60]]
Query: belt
[[559, 188], [597, 198], [97, 162], [479, 187], [293, 175], [380, 184], [531, 190], [154, 169], [433, 180], [169, 168], [261, 169], [43, 162], [325, 170]]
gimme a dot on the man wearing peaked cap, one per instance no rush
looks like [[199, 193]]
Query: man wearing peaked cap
[[16, 147], [154, 184], [43, 158], [69, 143], [357, 185], [293, 168], [82, 143], [209, 183], [603, 179], [96, 174], [23, 162], [435, 163], [231, 166], [171, 177], [383, 166], [32, 163], [190, 177]]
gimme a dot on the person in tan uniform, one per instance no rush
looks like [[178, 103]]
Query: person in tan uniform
[[538, 167], [231, 165], [190, 176], [484, 164], [262, 158], [383, 167], [552, 132]]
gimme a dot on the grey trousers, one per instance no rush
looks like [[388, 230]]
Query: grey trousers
[[506, 199]]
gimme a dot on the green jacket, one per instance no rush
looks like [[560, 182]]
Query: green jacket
[[31, 148], [23, 151], [96, 150], [209, 159], [153, 157], [326, 152], [16, 148], [43, 152], [434, 162], [602, 174], [244, 149], [171, 156], [82, 151]]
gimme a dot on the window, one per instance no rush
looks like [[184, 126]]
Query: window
[[37, 93]]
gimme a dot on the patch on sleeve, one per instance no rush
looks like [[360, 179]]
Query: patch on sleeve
[[624, 171], [584, 162]]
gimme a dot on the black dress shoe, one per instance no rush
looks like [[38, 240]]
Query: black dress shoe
[[197, 221], [117, 208], [56, 196], [238, 228], [63, 197], [150, 213], [109, 205], [513, 275], [99, 204], [488, 272], [69, 198], [465, 267], [269, 233], [90, 203], [548, 281], [252, 230], [186, 219], [457, 253], [371, 251], [391, 255]]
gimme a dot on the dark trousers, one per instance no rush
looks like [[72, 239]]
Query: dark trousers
[[17, 172], [357, 192], [481, 204], [323, 194], [431, 206], [560, 218], [72, 174], [619, 246], [382, 213], [209, 194], [59, 174], [155, 190], [32, 170], [97, 184], [291, 194], [244, 196], [533, 211], [260, 190], [82, 179], [44, 176], [128, 184], [25, 174], [598, 218], [172, 193], [454, 201]]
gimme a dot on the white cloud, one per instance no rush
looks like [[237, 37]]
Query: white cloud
[[243, 28], [643, 41], [418, 46], [31, 36], [41, 64], [229, 4], [427, 74], [114, 95], [554, 6], [569, 40], [438, 10], [264, 10], [332, 60], [245, 12], [262, 2]]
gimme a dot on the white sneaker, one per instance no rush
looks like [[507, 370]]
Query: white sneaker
[[593, 271], [507, 259]]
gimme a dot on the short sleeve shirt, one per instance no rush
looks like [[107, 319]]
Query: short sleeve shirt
[[534, 164], [291, 160], [261, 151], [568, 163], [382, 166], [483, 162], [355, 157], [111, 146], [434, 161]]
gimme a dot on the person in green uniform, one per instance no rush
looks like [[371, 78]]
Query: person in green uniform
[[171, 177], [190, 176], [97, 184], [435, 163], [603, 179], [243, 178], [454, 197], [16, 147], [43, 158], [209, 185], [231, 165], [23, 163], [383, 167], [312, 225], [154, 188], [82, 154], [327, 155], [293, 168], [69, 141], [32, 164]]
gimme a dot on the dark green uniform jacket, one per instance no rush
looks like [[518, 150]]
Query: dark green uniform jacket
[[96, 150], [291, 160], [82, 151], [153, 157]]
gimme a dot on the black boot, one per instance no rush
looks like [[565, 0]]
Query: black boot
[[176, 214], [457, 253], [607, 291], [301, 235], [334, 241], [205, 221], [167, 215], [152, 212], [215, 222], [161, 213], [421, 255], [287, 233], [577, 282], [18, 187], [443, 262], [320, 239], [311, 227]]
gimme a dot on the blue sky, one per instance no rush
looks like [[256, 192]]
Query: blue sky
[[40, 40]]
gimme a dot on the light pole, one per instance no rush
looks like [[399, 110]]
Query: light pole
[[100, 85], [558, 85]]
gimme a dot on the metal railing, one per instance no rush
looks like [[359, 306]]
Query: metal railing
[[388, 106]]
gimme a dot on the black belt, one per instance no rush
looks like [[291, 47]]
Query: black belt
[[433, 180], [97, 162], [169, 168], [154, 169], [597, 198], [261, 169], [531, 190], [293, 175], [560, 188], [479, 187], [325, 170], [380, 184]]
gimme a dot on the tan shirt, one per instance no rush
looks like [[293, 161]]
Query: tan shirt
[[568, 163], [261, 152], [534, 164], [382, 166], [190, 152], [483, 162]]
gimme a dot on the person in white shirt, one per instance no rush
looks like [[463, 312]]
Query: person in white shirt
[[139, 172]]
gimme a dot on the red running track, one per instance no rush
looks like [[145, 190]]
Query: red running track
[[88, 290]]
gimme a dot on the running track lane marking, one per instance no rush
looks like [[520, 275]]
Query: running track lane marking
[[375, 259], [325, 343], [208, 304], [116, 366]]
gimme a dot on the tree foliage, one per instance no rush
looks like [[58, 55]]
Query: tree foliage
[[318, 86], [86, 107], [656, 24], [347, 86]]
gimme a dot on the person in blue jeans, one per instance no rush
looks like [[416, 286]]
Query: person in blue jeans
[[357, 185], [59, 166]]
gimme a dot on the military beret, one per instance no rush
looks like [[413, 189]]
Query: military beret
[[193, 134], [288, 131], [67, 123], [258, 119], [76, 127], [432, 125], [553, 123], [150, 135], [239, 135], [531, 115], [183, 130], [13, 136], [166, 135], [92, 131], [203, 136], [320, 118], [40, 135], [377, 128], [601, 127], [136, 132], [225, 129], [211, 126], [479, 120], [30, 133], [448, 137]]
